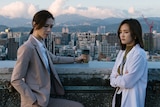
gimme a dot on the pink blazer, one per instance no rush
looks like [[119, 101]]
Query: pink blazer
[[30, 76]]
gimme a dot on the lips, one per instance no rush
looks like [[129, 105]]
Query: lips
[[122, 39], [47, 34]]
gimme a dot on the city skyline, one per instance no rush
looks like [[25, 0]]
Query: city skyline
[[88, 8]]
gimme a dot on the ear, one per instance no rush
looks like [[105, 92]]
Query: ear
[[33, 24]]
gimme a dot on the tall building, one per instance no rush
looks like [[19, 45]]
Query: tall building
[[156, 42], [12, 49], [148, 42], [66, 38], [3, 39], [85, 40], [15, 40], [50, 43], [73, 39], [112, 38], [65, 30], [108, 50]]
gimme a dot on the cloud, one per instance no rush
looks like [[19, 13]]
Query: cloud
[[18, 9], [131, 10], [59, 7], [96, 12], [56, 8]]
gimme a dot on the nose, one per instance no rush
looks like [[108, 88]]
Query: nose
[[49, 29]]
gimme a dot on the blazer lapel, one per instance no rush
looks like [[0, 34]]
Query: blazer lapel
[[58, 87], [34, 42], [41, 56], [53, 70]]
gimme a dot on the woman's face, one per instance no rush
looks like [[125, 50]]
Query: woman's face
[[125, 35], [43, 32]]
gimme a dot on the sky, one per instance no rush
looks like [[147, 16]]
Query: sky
[[89, 8]]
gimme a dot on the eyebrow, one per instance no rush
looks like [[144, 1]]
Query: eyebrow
[[48, 24], [124, 30]]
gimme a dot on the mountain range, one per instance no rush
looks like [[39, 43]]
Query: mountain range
[[77, 23]]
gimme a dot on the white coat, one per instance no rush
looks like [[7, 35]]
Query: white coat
[[133, 84]]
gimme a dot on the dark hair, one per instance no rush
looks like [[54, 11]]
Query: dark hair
[[136, 32], [40, 19]]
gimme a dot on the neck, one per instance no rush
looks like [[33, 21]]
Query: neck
[[128, 48], [37, 37]]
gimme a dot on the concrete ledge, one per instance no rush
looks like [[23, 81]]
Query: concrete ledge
[[84, 83]]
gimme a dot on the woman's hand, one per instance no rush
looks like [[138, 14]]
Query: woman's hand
[[81, 59]]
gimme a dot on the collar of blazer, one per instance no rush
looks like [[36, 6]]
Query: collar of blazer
[[35, 44]]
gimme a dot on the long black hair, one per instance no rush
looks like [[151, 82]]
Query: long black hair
[[136, 32], [40, 19]]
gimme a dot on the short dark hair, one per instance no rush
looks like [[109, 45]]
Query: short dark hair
[[40, 19], [135, 29]]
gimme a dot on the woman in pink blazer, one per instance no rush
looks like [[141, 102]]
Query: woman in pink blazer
[[34, 75]]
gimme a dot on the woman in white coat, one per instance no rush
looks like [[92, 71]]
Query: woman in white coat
[[130, 71]]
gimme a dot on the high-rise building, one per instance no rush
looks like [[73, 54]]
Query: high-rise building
[[148, 42], [65, 30], [156, 42], [66, 38], [15, 40], [12, 48], [50, 43], [112, 38]]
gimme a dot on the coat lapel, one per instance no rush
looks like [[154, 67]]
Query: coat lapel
[[53, 70], [34, 42]]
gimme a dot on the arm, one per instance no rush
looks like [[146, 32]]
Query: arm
[[19, 73], [136, 69], [114, 73], [63, 60]]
